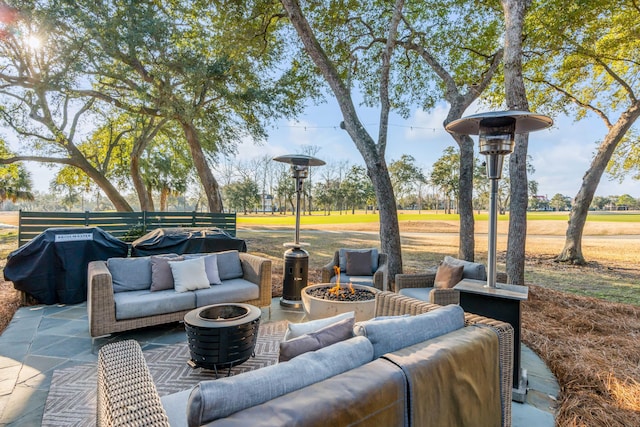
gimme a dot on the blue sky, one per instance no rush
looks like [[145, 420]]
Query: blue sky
[[561, 155]]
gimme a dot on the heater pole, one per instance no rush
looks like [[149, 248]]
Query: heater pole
[[298, 191], [492, 234]]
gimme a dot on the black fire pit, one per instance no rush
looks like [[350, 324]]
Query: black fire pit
[[222, 336]]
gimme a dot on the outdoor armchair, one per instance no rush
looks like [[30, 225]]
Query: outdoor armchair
[[422, 285], [358, 266]]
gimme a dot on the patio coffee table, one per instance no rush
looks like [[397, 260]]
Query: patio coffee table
[[221, 336]]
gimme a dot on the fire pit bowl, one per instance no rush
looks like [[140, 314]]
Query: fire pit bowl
[[317, 307], [221, 335]]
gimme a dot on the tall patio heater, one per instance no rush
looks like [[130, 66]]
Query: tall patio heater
[[496, 132], [296, 259]]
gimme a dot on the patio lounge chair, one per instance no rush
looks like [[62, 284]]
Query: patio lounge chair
[[358, 266], [423, 286]]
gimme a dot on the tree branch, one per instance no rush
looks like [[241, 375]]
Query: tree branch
[[576, 101], [387, 53], [40, 159]]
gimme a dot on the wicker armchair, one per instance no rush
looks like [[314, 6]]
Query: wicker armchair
[[425, 282], [378, 278]]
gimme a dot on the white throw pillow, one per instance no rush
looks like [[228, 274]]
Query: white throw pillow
[[297, 329], [189, 275]]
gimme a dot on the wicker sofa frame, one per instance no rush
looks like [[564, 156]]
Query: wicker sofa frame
[[127, 395], [101, 306]]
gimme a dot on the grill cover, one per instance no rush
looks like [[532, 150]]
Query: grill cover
[[52, 267], [186, 241]]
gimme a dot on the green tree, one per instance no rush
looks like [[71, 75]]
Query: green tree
[[318, 26], [285, 190], [625, 160], [453, 51], [166, 169], [405, 176], [399, 56], [243, 195], [444, 175], [627, 200], [583, 61], [600, 202], [187, 62], [356, 188], [15, 180], [36, 82], [559, 202]]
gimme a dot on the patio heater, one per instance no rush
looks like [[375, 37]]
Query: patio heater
[[296, 259], [496, 132]]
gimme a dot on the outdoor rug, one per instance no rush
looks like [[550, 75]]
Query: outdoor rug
[[72, 395]]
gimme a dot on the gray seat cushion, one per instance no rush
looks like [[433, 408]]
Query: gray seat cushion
[[135, 304], [423, 294], [233, 290], [356, 280]]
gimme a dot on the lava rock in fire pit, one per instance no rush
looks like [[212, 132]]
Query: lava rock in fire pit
[[344, 293]]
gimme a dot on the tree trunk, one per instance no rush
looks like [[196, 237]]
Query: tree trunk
[[101, 181], [516, 97], [572, 251], [466, 249], [148, 132], [211, 187], [164, 197], [372, 153], [144, 196]]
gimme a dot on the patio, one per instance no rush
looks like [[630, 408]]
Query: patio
[[42, 339]]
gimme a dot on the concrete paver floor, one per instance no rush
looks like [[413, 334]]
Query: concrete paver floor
[[41, 339]]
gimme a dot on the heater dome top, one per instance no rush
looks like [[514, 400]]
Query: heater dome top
[[525, 122], [299, 160]]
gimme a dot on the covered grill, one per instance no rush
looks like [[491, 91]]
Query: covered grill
[[52, 267], [186, 241]]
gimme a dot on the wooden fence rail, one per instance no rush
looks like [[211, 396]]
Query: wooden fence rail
[[120, 224]]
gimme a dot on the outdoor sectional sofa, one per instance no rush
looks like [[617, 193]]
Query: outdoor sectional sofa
[[459, 375], [120, 295]]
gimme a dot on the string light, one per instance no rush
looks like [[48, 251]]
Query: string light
[[410, 127]]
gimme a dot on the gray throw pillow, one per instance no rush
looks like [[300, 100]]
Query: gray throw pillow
[[161, 276], [392, 334], [324, 337], [130, 274], [358, 263], [229, 266], [342, 258], [210, 266], [295, 330], [471, 270]]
